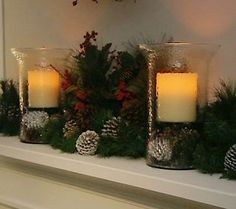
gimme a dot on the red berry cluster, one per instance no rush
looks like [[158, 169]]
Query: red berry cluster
[[82, 96], [67, 80], [77, 93], [123, 93]]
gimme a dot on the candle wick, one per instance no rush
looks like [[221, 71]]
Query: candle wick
[[58, 71]]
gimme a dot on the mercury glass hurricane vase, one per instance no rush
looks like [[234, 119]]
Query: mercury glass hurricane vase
[[39, 87], [177, 91]]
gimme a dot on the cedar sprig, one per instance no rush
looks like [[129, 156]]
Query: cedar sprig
[[225, 105]]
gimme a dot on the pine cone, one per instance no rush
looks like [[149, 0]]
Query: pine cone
[[230, 159], [70, 128], [134, 111], [110, 128], [87, 143], [35, 119], [160, 150]]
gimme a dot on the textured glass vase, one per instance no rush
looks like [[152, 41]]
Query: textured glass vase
[[39, 87], [177, 91]]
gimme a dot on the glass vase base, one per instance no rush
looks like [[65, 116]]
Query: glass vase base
[[32, 124], [32, 136], [171, 146], [32, 141], [168, 165]]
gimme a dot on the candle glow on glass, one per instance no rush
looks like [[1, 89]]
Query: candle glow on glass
[[43, 88], [177, 97]]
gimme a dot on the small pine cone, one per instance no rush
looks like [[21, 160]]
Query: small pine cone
[[70, 128], [230, 159], [35, 119], [160, 150], [87, 143], [110, 128]]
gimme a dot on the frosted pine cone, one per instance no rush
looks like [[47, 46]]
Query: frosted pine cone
[[35, 119], [110, 128], [230, 159], [70, 128], [87, 143], [160, 150]]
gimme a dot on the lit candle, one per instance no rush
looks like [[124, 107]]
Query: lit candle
[[43, 88], [177, 97]]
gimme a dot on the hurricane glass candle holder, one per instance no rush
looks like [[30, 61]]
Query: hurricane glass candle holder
[[39, 87], [177, 90]]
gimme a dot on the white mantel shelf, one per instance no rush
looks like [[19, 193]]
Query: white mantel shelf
[[190, 184]]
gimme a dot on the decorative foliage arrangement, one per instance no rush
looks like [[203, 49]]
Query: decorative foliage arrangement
[[104, 112], [104, 106], [9, 108]]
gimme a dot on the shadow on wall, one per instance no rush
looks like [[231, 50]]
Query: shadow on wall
[[207, 18]]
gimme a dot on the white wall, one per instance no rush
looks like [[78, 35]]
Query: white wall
[[57, 23]]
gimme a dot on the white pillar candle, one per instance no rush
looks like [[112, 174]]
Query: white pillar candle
[[176, 97], [43, 88]]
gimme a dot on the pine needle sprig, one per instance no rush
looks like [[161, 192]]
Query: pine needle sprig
[[130, 142], [52, 134], [225, 105], [10, 94], [219, 130]]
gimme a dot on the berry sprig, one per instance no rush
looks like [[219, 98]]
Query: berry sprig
[[67, 80], [89, 40]]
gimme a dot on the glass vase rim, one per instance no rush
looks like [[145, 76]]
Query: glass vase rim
[[38, 49], [180, 43]]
